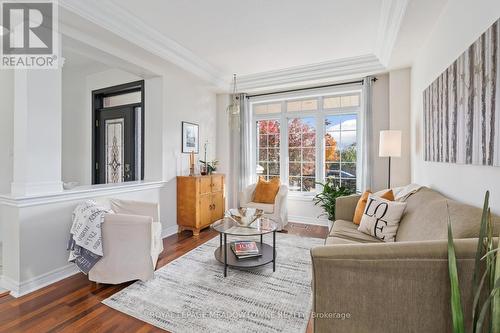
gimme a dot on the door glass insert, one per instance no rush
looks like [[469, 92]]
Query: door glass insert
[[114, 150]]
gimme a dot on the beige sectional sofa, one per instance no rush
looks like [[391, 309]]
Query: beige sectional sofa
[[362, 284]]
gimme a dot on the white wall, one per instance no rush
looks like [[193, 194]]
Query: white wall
[[460, 24], [186, 99], [380, 109], [399, 119], [6, 128], [76, 127]]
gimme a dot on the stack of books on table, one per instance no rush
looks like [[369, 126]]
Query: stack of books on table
[[245, 249]]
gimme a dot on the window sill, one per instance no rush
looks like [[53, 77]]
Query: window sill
[[300, 197]]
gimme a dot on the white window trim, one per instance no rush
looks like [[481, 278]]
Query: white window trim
[[320, 114]]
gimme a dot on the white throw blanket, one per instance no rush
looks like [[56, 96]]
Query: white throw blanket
[[85, 243], [402, 193]]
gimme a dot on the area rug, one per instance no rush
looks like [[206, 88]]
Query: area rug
[[190, 294]]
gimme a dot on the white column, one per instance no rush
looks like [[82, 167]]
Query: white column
[[37, 132]]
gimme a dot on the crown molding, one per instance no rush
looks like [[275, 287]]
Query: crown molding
[[119, 21], [299, 74], [391, 17]]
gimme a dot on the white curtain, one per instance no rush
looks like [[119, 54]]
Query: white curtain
[[246, 144], [366, 147], [241, 152]]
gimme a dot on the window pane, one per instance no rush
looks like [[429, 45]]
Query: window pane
[[274, 140], [350, 184], [274, 155], [262, 155], [308, 154], [302, 153], [273, 127], [308, 169], [308, 184], [331, 102], [294, 154], [340, 149], [348, 170], [306, 105], [122, 99], [335, 102], [294, 168], [332, 170], [267, 108], [294, 184], [309, 139], [294, 140], [268, 151]]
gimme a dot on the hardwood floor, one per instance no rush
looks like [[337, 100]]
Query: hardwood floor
[[74, 304]]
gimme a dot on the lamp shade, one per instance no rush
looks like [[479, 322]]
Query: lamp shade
[[390, 143]]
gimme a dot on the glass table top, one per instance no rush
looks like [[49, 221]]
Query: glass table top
[[260, 226]]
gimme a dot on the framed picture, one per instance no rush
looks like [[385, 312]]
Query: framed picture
[[190, 138]]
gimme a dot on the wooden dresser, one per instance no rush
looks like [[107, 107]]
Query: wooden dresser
[[200, 201]]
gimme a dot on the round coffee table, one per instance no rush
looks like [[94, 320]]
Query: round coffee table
[[260, 227]]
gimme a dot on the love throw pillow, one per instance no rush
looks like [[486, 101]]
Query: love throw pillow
[[381, 218]]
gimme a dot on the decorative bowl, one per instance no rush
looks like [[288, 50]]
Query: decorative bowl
[[245, 216]]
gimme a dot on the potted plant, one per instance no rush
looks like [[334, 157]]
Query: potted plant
[[326, 198], [485, 282], [210, 167]]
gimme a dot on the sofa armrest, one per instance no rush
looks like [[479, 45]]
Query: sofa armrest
[[346, 206], [246, 195], [281, 196], [388, 287]]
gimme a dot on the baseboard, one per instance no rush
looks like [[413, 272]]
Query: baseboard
[[308, 220], [18, 289], [168, 231]]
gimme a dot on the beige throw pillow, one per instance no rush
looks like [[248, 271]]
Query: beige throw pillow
[[381, 218]]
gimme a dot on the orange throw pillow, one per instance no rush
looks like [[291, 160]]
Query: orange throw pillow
[[360, 207], [266, 191], [389, 195]]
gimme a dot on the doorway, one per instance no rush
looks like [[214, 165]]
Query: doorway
[[118, 135]]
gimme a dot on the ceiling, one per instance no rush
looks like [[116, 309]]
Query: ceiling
[[270, 42], [248, 37]]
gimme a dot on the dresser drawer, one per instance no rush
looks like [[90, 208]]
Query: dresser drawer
[[217, 183]]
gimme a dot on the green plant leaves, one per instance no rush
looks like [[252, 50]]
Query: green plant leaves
[[456, 304], [326, 198]]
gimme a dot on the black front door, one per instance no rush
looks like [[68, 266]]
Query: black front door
[[116, 144]]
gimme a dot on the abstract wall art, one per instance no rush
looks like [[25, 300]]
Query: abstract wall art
[[462, 106]]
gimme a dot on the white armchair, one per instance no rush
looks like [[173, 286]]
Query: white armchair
[[277, 211], [131, 243]]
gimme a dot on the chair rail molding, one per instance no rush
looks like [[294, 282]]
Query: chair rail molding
[[79, 193], [126, 25]]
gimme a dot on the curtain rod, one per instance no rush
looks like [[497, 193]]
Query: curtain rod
[[308, 88]]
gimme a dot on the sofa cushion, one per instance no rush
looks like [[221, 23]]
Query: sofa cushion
[[426, 218], [348, 231], [338, 240], [267, 208]]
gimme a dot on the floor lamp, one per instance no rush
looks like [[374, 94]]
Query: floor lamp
[[389, 146]]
